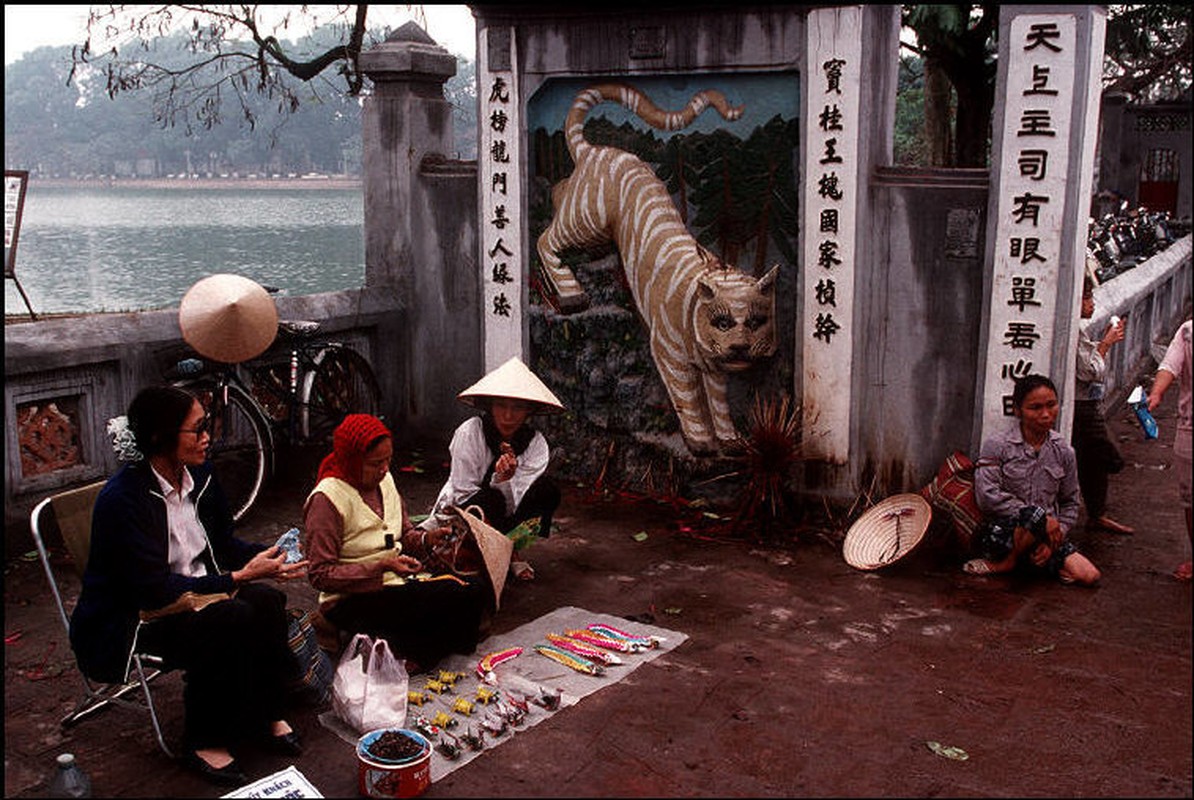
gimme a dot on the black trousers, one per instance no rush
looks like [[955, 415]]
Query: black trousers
[[236, 660], [420, 620], [541, 500], [1097, 456]]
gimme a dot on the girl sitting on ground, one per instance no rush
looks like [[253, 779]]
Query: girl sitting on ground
[[499, 462], [1026, 486]]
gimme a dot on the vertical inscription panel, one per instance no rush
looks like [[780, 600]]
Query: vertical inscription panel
[[1035, 166], [829, 227], [499, 160]]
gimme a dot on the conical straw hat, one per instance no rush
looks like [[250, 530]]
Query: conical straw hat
[[228, 318], [513, 380], [887, 532], [496, 550]]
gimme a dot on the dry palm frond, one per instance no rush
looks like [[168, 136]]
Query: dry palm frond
[[768, 457]]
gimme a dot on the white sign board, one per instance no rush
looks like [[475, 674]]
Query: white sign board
[[284, 783]]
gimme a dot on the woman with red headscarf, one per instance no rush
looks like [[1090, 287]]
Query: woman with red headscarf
[[365, 555]]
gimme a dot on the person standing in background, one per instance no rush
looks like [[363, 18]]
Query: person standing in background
[[1176, 366], [1098, 457]]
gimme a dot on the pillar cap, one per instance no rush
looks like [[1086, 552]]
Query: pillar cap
[[407, 51]]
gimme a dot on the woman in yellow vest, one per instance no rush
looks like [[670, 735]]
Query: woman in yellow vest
[[366, 557]]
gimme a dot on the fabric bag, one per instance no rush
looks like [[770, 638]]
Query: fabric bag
[[313, 674], [952, 493], [370, 685]]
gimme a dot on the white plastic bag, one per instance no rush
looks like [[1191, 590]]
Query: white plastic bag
[[369, 688]]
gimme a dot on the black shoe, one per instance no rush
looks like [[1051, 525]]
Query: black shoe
[[228, 775], [288, 744]]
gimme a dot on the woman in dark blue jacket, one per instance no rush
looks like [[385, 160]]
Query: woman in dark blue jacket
[[163, 548]]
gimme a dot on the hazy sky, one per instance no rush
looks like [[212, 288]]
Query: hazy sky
[[28, 27]]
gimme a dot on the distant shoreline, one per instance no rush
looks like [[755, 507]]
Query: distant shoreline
[[328, 182]]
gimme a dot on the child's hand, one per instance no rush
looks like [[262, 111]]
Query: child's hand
[[506, 464]]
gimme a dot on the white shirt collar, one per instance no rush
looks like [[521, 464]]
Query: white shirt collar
[[188, 483]]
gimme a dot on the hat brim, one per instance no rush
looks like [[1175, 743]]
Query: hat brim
[[512, 381], [483, 401], [496, 551], [887, 532], [228, 318]]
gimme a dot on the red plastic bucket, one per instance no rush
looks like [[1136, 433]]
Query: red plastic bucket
[[383, 778]]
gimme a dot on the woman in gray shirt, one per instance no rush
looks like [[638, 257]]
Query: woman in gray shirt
[[1026, 485]]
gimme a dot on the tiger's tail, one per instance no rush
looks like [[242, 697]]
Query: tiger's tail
[[642, 106]]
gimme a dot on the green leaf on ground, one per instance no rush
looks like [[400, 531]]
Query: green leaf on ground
[[641, 536]]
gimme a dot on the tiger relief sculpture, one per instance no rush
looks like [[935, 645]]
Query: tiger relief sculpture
[[704, 318]]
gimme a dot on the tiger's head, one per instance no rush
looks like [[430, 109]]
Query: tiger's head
[[733, 318]]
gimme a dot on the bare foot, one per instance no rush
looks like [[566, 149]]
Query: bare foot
[[216, 757], [981, 566], [522, 571]]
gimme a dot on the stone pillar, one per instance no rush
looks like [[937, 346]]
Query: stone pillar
[[1045, 129], [405, 119], [412, 263], [832, 195]]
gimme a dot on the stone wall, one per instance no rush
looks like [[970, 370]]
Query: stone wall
[[65, 377], [1127, 134]]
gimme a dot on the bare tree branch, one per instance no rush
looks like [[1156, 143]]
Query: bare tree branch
[[235, 51]]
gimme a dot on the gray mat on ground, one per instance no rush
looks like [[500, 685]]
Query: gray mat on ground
[[531, 666]]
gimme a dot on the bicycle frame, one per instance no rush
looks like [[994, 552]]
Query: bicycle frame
[[307, 388], [299, 393], [241, 447]]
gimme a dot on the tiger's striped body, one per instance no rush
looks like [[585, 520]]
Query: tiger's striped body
[[703, 317]]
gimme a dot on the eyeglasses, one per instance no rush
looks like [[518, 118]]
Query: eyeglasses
[[203, 427]]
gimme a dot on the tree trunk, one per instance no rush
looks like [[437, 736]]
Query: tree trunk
[[975, 103], [937, 127]]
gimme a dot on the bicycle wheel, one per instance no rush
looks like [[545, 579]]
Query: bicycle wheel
[[241, 450], [339, 382]]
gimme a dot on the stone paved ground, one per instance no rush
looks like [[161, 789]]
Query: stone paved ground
[[801, 676]]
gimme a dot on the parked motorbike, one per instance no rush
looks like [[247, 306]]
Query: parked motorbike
[[1122, 240]]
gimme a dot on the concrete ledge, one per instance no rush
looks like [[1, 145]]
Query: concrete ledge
[[1155, 298], [91, 365]]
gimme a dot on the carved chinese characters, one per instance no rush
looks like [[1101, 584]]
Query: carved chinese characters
[[830, 225]]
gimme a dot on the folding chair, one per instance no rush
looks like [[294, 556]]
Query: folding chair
[[70, 512]]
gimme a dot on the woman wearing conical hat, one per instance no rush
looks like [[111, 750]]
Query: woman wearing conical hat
[[499, 461]]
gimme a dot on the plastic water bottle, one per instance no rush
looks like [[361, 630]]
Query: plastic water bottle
[[1139, 404], [69, 780], [189, 366]]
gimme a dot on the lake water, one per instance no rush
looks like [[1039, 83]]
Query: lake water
[[121, 249]]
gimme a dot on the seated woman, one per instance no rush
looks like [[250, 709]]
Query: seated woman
[[162, 535], [365, 553], [1026, 485], [499, 461]]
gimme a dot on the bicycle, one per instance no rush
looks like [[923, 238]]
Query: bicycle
[[298, 391]]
